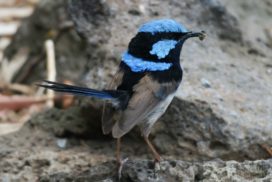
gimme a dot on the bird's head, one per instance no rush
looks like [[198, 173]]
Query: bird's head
[[160, 41]]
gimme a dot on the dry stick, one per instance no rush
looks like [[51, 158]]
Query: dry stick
[[25, 71], [19, 102], [9, 68], [16, 87], [51, 70]]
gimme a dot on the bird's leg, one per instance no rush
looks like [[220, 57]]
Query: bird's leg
[[118, 158], [118, 149], [156, 155]]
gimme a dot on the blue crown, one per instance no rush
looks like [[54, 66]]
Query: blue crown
[[163, 25]]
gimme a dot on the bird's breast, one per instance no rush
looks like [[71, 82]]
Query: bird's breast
[[174, 73]]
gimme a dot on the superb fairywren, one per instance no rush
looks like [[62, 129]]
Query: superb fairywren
[[145, 83]]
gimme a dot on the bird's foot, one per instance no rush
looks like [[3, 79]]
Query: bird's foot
[[120, 167], [157, 166]]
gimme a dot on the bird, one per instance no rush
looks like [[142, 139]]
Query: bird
[[145, 83]]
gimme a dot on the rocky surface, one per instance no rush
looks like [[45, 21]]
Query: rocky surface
[[60, 166], [222, 110], [137, 171]]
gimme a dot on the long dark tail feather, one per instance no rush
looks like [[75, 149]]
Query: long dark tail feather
[[83, 91]]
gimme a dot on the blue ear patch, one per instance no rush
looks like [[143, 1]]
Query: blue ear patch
[[164, 25], [162, 48], [140, 65]]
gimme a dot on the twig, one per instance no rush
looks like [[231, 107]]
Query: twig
[[26, 70], [15, 87], [10, 69], [19, 102], [33, 62], [51, 69]]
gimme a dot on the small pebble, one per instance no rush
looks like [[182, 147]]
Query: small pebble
[[62, 143], [205, 83]]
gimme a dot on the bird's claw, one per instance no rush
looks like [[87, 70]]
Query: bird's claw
[[157, 167], [120, 167]]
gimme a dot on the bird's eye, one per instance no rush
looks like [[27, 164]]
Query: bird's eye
[[162, 48]]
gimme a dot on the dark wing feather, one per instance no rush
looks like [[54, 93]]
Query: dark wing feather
[[148, 94], [110, 113]]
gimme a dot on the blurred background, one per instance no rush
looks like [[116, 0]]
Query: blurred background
[[222, 109]]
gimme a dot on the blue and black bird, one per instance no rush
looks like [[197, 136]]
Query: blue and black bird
[[145, 83]]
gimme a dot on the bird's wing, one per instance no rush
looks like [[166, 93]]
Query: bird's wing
[[111, 114], [148, 94]]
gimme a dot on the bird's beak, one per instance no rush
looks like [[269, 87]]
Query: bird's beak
[[201, 35]]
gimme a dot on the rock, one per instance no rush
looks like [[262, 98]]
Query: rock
[[73, 122], [206, 83], [62, 143], [136, 171], [88, 16], [216, 13], [191, 130]]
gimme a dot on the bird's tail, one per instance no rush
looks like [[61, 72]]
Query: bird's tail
[[116, 95]]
